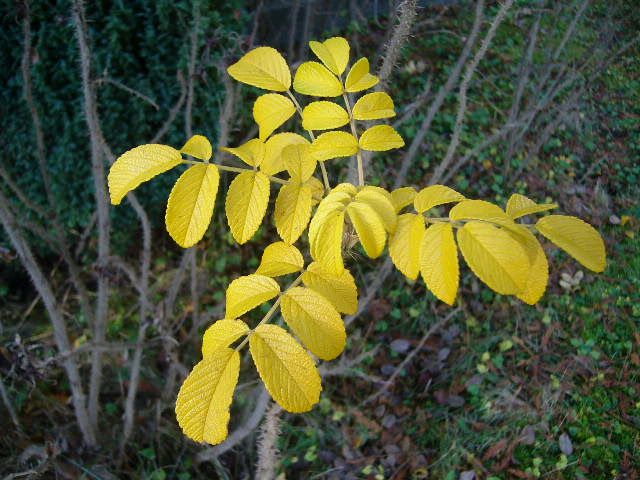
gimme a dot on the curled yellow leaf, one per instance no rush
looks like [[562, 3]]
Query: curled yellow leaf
[[198, 146], [333, 52], [359, 78]]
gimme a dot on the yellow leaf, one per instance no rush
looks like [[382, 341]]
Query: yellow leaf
[[198, 146], [292, 211], [313, 78], [273, 162], [247, 292], [479, 210], [577, 238], [333, 145], [369, 227], [333, 52], [374, 106], [435, 195], [347, 188], [191, 203], [539, 271], [262, 67], [317, 190], [380, 200], [439, 262], [323, 115], [138, 165], [246, 204], [519, 206], [203, 403], [286, 368], [381, 138], [326, 245], [494, 256], [222, 334], [340, 290], [331, 203], [270, 111], [299, 162], [404, 244], [252, 152], [359, 78], [403, 196], [315, 321], [280, 258]]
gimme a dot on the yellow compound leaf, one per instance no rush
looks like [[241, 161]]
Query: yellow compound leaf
[[324, 115], [326, 244], [577, 238], [369, 227], [359, 78], [313, 78], [435, 195], [333, 52], [380, 200], [270, 111], [374, 106], [403, 196], [203, 403], [280, 258], [198, 146], [222, 334], [539, 271], [191, 203], [439, 262], [333, 145], [340, 290], [495, 257], [299, 162], [247, 292], [519, 206], [138, 165], [287, 370], [252, 152], [262, 67], [273, 162], [479, 210], [405, 243], [315, 321], [246, 204], [381, 138], [292, 211]]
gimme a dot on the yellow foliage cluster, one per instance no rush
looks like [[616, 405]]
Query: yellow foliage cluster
[[502, 252]]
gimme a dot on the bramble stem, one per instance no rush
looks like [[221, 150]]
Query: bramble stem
[[354, 132], [271, 311], [325, 177]]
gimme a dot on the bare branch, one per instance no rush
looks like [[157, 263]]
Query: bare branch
[[102, 206], [464, 87], [444, 90]]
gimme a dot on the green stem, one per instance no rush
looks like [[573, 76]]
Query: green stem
[[271, 311], [354, 132]]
